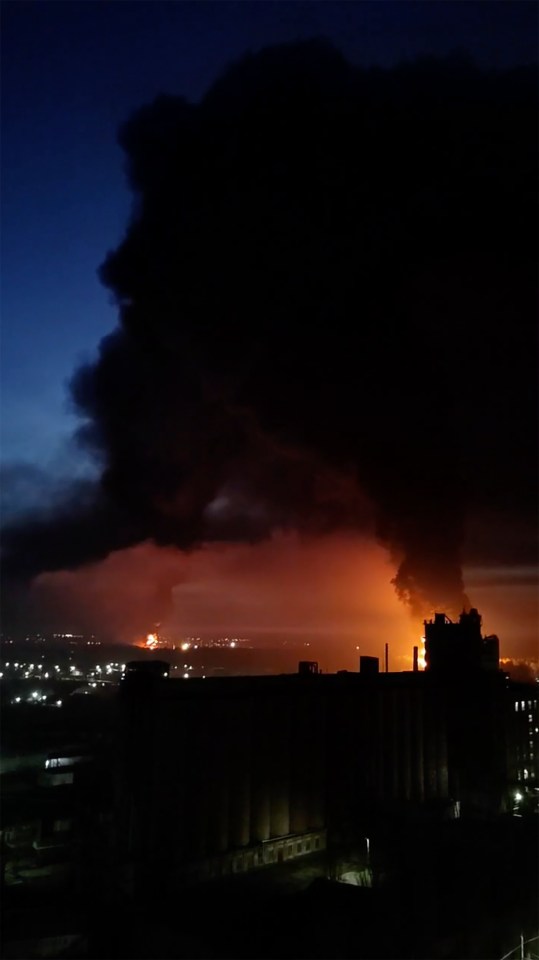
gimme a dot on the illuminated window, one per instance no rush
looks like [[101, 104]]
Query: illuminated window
[[516, 706], [526, 774]]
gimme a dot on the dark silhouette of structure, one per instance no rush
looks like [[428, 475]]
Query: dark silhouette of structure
[[457, 647], [218, 776]]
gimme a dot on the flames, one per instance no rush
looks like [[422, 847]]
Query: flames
[[421, 661]]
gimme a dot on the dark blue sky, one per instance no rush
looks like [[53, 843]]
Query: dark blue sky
[[71, 73]]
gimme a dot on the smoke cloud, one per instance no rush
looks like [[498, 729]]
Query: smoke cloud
[[325, 318]]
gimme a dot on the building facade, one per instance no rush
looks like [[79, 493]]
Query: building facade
[[223, 775]]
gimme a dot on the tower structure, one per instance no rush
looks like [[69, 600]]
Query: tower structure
[[458, 647]]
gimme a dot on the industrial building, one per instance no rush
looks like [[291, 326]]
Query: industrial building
[[217, 776]]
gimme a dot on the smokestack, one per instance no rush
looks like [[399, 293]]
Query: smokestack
[[387, 657], [416, 666]]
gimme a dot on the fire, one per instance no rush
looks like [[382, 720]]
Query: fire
[[421, 661], [151, 640]]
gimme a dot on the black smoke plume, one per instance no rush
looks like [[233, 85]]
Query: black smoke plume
[[326, 287]]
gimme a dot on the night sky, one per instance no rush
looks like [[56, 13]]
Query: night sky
[[72, 75]]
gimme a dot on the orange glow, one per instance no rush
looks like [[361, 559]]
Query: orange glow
[[114, 597], [151, 640], [332, 592], [421, 661]]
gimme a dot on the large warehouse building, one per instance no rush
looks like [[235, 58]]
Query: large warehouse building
[[224, 775]]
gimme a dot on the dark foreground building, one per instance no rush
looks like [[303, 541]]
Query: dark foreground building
[[222, 776]]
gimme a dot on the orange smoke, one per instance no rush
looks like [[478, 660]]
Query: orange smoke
[[117, 598], [332, 592]]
